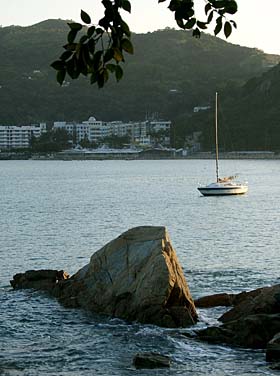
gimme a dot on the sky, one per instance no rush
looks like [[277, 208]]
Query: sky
[[258, 24]]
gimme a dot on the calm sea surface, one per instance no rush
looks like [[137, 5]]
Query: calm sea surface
[[55, 214]]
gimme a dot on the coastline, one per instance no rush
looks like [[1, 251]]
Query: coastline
[[139, 156]]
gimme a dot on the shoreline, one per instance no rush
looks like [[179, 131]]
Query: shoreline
[[146, 156]]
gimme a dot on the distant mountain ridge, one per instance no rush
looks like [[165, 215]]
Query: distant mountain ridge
[[170, 73]]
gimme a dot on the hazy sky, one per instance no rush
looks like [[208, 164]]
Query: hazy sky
[[258, 25]]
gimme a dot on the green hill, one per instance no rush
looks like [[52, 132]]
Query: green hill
[[170, 73], [248, 116]]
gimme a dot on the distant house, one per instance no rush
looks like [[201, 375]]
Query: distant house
[[201, 108]]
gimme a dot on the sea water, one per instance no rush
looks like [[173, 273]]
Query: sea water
[[56, 214]]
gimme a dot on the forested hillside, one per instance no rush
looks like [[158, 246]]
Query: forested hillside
[[169, 74], [249, 117]]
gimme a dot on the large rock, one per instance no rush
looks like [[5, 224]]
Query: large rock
[[252, 322], [136, 277], [264, 300], [253, 331]]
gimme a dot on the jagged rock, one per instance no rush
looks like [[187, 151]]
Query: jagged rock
[[264, 300], [273, 349], [151, 360], [44, 279], [136, 277], [253, 331]]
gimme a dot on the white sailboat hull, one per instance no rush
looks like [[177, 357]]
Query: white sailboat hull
[[223, 189]]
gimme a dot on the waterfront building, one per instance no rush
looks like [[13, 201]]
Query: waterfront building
[[17, 137], [95, 130]]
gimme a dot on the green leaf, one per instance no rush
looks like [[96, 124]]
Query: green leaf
[[83, 39], [85, 17], [72, 68], [58, 65], [231, 7], [72, 35], [90, 31], [118, 73], [97, 59], [127, 46], [210, 17], [180, 23], [109, 54], [125, 28], [60, 76], [220, 4], [227, 29], [111, 67], [66, 55], [75, 26], [234, 24], [91, 46], [126, 5], [118, 56], [190, 24], [98, 30], [218, 27], [207, 8], [201, 25], [161, 1]]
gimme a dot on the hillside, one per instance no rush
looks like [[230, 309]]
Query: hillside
[[170, 73], [248, 117]]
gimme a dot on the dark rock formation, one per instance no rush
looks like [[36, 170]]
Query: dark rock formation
[[136, 277], [224, 299], [253, 331], [151, 360], [264, 300], [273, 349], [252, 322], [215, 300], [45, 279]]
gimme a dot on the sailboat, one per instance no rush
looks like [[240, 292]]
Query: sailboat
[[222, 186]]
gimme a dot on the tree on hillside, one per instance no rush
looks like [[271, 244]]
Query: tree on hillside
[[100, 50]]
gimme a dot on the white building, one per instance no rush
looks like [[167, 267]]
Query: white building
[[91, 129], [157, 126], [13, 136], [95, 130]]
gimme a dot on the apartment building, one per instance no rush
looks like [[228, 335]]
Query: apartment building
[[17, 137], [95, 130]]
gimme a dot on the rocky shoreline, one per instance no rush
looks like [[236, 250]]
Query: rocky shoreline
[[137, 277]]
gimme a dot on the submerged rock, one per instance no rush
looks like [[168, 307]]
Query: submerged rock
[[136, 277], [151, 360]]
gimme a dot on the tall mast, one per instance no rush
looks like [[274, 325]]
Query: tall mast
[[216, 138]]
